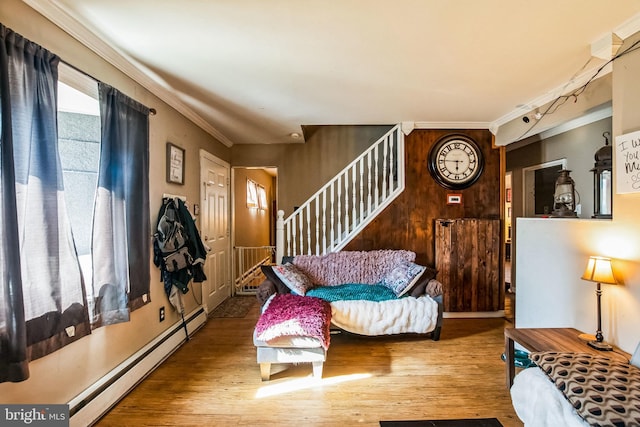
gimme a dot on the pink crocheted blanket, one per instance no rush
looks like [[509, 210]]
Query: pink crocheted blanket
[[337, 268], [295, 315]]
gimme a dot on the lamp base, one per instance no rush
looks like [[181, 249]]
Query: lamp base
[[601, 346]]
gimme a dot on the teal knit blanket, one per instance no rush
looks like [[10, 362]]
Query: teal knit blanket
[[352, 291]]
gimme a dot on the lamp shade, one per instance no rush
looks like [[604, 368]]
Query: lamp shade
[[599, 269]]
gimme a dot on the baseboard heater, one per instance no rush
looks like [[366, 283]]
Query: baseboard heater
[[90, 405]]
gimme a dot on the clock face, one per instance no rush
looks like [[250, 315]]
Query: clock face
[[455, 161]]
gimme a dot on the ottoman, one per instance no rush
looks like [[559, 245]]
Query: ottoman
[[292, 329]]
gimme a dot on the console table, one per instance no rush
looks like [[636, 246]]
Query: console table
[[550, 339]]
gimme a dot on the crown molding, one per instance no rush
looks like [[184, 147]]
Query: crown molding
[[623, 31], [549, 96], [598, 114], [628, 28], [64, 19], [451, 125]]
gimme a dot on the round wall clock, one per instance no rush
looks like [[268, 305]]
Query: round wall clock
[[455, 161]]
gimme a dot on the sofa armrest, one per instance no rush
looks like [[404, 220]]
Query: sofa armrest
[[265, 290], [434, 288], [428, 286]]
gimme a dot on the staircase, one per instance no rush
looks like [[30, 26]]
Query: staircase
[[337, 212]]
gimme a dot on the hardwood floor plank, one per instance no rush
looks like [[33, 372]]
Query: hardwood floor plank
[[214, 380]]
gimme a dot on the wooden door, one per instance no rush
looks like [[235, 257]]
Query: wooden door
[[215, 229], [468, 263]]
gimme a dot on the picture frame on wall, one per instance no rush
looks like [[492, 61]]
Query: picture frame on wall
[[175, 164]]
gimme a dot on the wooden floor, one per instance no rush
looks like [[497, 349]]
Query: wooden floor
[[214, 380]]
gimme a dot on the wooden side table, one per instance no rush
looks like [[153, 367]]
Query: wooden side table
[[550, 339]]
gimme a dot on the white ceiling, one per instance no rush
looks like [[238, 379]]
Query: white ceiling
[[254, 71]]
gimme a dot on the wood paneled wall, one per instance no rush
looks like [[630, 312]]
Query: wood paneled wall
[[409, 222]]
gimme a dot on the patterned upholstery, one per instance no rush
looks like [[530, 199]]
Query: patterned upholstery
[[604, 392]]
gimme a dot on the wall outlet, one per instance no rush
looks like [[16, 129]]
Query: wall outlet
[[162, 313]]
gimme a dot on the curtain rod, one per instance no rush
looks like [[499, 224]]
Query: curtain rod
[[152, 111]]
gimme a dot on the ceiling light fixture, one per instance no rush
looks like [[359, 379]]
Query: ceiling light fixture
[[294, 135]]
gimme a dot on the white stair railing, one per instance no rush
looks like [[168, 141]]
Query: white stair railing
[[337, 212]]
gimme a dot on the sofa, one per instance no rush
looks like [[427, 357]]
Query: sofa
[[578, 389], [380, 292]]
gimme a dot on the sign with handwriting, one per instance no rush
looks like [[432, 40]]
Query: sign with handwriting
[[628, 163]]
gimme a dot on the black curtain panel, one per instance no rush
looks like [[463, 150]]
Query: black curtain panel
[[13, 333], [53, 298], [121, 231]]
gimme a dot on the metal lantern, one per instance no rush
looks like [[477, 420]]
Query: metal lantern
[[602, 182], [564, 197]]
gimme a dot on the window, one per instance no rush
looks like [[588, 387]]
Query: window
[[75, 181], [79, 147], [252, 194], [256, 196], [262, 198]]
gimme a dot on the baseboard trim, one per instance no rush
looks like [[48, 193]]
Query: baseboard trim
[[472, 314], [95, 401]]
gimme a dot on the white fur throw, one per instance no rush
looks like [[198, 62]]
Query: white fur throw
[[403, 315], [338, 268]]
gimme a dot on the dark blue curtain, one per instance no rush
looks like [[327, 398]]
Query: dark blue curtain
[[121, 230], [54, 301], [13, 333]]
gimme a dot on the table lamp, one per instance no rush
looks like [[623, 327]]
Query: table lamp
[[599, 270]]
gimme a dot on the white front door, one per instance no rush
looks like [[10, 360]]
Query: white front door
[[215, 231]]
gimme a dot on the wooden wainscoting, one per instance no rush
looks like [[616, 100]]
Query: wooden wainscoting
[[214, 380]]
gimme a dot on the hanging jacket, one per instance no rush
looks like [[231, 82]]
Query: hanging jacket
[[178, 248]]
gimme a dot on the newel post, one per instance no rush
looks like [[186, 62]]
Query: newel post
[[280, 237]]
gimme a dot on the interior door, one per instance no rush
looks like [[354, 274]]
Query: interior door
[[215, 229]]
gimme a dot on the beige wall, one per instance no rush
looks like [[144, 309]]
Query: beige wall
[[59, 377], [254, 225], [552, 254], [304, 168], [624, 239]]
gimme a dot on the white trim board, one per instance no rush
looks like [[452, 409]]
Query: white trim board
[[472, 314]]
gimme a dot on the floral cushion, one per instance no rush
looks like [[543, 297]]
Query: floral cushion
[[293, 278], [403, 277]]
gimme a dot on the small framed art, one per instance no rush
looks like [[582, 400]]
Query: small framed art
[[175, 164]]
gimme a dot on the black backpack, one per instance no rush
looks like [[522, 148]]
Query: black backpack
[[171, 238]]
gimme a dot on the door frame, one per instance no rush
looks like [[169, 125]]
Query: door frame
[[528, 199], [233, 213], [204, 154]]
